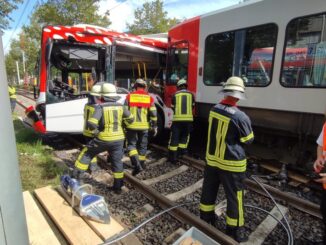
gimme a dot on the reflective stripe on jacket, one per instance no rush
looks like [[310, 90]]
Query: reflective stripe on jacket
[[12, 92], [108, 118], [141, 106], [89, 110], [229, 129], [182, 104]]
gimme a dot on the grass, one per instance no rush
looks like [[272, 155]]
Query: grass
[[37, 168]]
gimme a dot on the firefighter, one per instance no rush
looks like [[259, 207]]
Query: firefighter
[[107, 122], [183, 102], [12, 96], [94, 98], [141, 106], [228, 131], [319, 167]]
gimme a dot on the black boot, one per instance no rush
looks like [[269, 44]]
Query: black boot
[[210, 217], [137, 167], [78, 175], [142, 164], [172, 158], [237, 233], [117, 184]]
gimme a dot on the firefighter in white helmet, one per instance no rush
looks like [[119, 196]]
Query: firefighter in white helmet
[[94, 99], [142, 107], [229, 130], [183, 102], [107, 121]]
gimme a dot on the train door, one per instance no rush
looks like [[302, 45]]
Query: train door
[[69, 72]]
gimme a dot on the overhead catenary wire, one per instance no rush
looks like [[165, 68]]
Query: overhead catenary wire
[[16, 27]]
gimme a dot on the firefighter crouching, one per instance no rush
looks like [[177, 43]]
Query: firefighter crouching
[[183, 102], [12, 96], [107, 121], [94, 99], [141, 106], [228, 131]]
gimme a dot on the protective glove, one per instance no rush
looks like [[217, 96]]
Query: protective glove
[[154, 130]]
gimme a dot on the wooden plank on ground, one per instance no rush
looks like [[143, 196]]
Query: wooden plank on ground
[[36, 223], [73, 227], [185, 191], [259, 235], [105, 231], [168, 175]]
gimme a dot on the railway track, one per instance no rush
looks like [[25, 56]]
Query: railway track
[[163, 186]]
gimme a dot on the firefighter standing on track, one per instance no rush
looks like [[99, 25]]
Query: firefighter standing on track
[[319, 166], [12, 96], [141, 106], [107, 121], [94, 98], [229, 130], [183, 102]]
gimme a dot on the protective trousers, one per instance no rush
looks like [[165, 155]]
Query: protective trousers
[[233, 187], [137, 145], [93, 165], [179, 139], [114, 148]]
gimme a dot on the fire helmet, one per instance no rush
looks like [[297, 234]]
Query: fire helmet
[[140, 82], [234, 87], [96, 90], [109, 90], [181, 82]]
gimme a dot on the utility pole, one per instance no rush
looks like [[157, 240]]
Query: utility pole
[[17, 66], [24, 62], [13, 227]]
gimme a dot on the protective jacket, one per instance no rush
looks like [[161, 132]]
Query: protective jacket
[[229, 129], [141, 106], [108, 119], [89, 110], [12, 92], [183, 102]]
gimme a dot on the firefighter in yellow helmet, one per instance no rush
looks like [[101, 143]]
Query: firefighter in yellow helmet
[[183, 102], [228, 131], [107, 121], [141, 105], [94, 99], [12, 96]]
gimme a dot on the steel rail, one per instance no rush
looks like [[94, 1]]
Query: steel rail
[[179, 213], [294, 201]]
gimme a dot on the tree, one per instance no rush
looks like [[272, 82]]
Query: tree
[[151, 18], [6, 7]]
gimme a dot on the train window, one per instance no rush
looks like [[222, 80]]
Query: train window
[[248, 53], [177, 62], [304, 57]]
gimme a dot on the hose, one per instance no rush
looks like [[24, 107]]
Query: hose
[[110, 241], [290, 242], [268, 213]]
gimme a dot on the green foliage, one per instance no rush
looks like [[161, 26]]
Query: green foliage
[[51, 12], [37, 168], [6, 7], [150, 19]]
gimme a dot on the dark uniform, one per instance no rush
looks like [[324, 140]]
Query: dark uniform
[[108, 119], [229, 129], [88, 132], [141, 106], [183, 103]]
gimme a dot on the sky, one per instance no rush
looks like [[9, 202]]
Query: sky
[[121, 12]]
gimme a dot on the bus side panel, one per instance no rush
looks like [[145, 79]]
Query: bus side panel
[[66, 117]]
